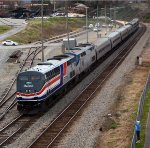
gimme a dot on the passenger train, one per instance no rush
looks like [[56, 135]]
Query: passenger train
[[39, 85]]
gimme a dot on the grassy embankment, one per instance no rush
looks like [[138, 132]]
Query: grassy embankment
[[52, 27], [144, 120], [134, 10], [146, 18], [120, 133], [4, 29]]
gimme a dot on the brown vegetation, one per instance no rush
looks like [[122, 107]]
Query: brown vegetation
[[125, 108]]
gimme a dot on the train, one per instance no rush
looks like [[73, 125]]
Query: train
[[38, 86]]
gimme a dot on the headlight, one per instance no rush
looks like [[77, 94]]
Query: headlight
[[28, 90]]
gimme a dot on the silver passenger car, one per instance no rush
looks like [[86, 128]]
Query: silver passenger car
[[103, 46], [115, 38]]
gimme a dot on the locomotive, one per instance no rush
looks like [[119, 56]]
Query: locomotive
[[39, 85]]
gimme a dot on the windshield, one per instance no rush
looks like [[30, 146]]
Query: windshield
[[30, 83], [23, 78]]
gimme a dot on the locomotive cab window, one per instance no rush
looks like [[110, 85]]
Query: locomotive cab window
[[23, 78], [35, 77]]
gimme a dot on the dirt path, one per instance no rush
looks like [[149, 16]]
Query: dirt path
[[118, 133]]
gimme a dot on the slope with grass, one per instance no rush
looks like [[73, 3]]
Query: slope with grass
[[144, 120], [126, 107], [125, 110], [51, 27], [4, 29]]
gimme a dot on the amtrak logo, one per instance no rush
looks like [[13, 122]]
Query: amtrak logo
[[28, 84]]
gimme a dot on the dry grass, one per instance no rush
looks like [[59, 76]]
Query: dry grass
[[125, 108], [5, 28], [51, 27]]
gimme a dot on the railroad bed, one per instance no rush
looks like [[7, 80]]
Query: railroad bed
[[87, 94], [51, 136], [91, 88]]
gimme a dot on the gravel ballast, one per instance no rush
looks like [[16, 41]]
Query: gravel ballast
[[86, 129]]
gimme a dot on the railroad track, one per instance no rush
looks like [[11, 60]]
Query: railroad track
[[51, 133], [18, 126], [9, 98], [9, 92], [19, 123], [8, 101], [54, 132]]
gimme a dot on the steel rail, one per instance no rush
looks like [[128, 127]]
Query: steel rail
[[34, 53], [9, 137], [14, 102], [22, 125], [2, 100], [6, 140], [12, 122], [57, 134]]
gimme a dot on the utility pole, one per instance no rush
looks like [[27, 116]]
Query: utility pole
[[85, 7], [86, 24], [115, 16], [110, 12], [66, 8], [54, 5], [105, 20], [97, 20], [42, 31]]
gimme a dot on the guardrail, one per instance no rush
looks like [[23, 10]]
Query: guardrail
[[140, 108]]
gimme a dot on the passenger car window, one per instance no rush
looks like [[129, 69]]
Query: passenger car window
[[56, 71], [83, 54], [92, 48], [71, 61]]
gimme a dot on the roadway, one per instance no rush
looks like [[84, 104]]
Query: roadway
[[17, 24]]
